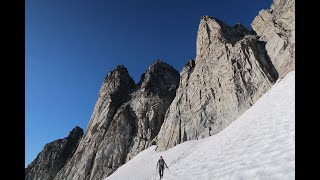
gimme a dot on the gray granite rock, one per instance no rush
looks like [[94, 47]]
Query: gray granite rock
[[53, 157], [125, 120], [276, 27], [113, 93], [231, 72]]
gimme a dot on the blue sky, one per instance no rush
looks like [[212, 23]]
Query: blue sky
[[72, 44]]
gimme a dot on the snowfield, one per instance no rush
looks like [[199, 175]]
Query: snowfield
[[260, 144]]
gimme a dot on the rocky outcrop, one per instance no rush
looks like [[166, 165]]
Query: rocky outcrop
[[276, 27], [150, 103], [231, 72], [125, 120], [233, 69], [53, 157], [114, 91]]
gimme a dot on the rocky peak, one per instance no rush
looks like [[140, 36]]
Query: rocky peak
[[160, 78], [276, 28], [214, 31], [118, 74], [217, 27], [53, 156], [231, 72], [118, 79], [76, 133], [120, 69], [114, 91], [125, 120]]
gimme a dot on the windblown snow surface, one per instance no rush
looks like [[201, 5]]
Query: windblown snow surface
[[260, 144]]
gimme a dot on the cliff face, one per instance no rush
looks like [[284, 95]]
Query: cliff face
[[53, 157], [113, 93], [232, 70], [230, 73], [150, 103], [276, 28], [125, 120]]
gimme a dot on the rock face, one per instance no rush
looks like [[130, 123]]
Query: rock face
[[150, 102], [53, 157], [230, 73], [113, 93], [125, 120], [276, 27], [233, 68]]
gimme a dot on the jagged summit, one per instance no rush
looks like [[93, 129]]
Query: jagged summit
[[159, 63], [125, 120], [76, 132], [212, 31], [53, 156], [117, 84], [221, 23], [120, 70], [232, 71], [159, 78]]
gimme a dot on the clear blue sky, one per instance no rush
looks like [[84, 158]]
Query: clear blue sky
[[72, 44]]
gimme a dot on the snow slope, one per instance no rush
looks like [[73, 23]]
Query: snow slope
[[260, 144]]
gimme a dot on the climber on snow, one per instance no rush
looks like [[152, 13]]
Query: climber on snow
[[160, 165]]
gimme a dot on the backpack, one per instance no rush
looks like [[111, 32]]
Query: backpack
[[161, 162]]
